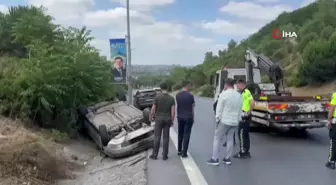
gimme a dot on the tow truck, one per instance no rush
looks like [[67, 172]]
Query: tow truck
[[274, 108]]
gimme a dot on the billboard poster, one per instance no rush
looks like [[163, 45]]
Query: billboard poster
[[118, 60]]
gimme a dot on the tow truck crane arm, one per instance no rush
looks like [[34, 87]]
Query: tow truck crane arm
[[273, 70]]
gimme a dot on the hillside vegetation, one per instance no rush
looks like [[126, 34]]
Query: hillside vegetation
[[48, 71], [309, 59]]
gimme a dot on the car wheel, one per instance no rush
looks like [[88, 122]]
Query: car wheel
[[146, 113], [103, 135]]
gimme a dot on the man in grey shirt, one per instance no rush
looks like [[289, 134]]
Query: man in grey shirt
[[228, 115]]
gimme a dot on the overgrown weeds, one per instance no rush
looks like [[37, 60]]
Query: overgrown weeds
[[47, 71]]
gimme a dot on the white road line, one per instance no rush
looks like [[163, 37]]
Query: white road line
[[194, 174]]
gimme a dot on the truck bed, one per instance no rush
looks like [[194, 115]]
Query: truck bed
[[290, 111], [291, 104]]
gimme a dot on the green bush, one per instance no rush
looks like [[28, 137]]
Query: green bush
[[207, 91], [319, 64], [47, 71], [265, 79], [176, 87]]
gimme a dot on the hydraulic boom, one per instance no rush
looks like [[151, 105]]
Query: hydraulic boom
[[273, 70]]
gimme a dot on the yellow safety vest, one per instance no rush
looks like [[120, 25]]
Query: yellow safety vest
[[333, 103], [247, 97]]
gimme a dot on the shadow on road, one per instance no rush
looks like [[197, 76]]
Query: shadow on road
[[309, 134]]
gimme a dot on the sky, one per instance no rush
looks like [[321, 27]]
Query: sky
[[166, 31]]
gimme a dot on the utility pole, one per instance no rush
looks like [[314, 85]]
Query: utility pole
[[129, 56]]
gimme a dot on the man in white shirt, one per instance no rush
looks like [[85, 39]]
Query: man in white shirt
[[228, 115]]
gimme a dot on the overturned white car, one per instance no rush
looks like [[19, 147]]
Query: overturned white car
[[117, 128]]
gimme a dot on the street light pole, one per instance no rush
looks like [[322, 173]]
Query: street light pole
[[129, 56]]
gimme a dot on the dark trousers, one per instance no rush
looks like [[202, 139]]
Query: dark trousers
[[244, 135], [184, 132], [332, 151], [161, 127]]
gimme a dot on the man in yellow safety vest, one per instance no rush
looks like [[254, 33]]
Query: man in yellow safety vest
[[332, 132], [244, 125]]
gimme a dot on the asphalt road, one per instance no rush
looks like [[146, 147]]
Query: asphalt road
[[170, 172], [276, 159]]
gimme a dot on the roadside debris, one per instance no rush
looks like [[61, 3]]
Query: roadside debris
[[132, 162], [104, 170], [27, 158]]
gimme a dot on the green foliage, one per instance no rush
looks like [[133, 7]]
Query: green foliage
[[207, 91], [177, 87], [58, 136], [47, 71], [148, 80], [265, 79], [308, 59], [232, 44], [319, 64]]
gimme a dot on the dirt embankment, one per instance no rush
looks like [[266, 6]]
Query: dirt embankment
[[322, 90], [28, 158]]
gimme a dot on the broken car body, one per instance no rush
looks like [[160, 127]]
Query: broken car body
[[117, 128]]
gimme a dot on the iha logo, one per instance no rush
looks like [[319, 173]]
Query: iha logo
[[279, 34]]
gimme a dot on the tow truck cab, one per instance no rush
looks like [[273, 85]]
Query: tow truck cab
[[218, 80]]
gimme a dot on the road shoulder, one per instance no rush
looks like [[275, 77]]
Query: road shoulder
[[167, 172]]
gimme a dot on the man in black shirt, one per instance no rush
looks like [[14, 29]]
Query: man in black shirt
[[163, 110], [185, 116]]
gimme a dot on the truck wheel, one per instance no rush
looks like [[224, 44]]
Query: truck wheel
[[103, 135], [298, 130], [146, 113], [254, 127]]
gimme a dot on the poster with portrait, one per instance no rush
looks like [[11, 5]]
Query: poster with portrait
[[118, 60]]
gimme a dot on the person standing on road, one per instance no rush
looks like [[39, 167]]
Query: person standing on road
[[244, 125], [234, 137], [228, 115], [332, 133], [164, 111], [185, 116]]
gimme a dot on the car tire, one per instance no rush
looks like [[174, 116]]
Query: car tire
[[146, 113], [103, 135]]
